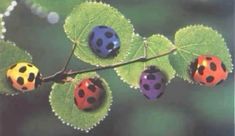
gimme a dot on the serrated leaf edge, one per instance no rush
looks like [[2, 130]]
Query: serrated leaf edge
[[10, 8], [207, 28], [71, 125], [116, 10], [145, 40], [173, 46], [3, 27], [118, 73]]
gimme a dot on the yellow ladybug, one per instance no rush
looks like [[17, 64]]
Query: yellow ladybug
[[23, 76]]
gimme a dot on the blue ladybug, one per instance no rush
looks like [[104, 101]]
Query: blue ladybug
[[104, 41]]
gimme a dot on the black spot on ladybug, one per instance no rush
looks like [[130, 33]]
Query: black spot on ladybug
[[81, 93], [20, 80], [110, 46], [201, 69], [22, 69], [193, 66], [92, 36], [146, 96], [209, 79], [30, 65], [213, 66], [108, 34], [13, 66], [157, 86], [24, 88], [99, 42], [91, 100], [75, 101], [10, 80], [31, 77], [102, 27], [208, 58], [223, 67], [91, 87], [151, 77], [220, 82], [146, 87], [160, 95], [38, 80]]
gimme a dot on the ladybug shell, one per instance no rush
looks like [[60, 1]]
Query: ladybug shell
[[208, 70], [104, 41], [23, 76], [88, 94], [152, 83]]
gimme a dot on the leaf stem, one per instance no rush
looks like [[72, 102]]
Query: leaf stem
[[70, 56], [62, 75]]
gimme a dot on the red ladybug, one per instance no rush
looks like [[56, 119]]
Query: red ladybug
[[88, 94], [208, 70]]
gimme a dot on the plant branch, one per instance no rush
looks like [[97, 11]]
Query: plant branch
[[62, 75]]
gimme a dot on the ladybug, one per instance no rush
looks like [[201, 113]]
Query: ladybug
[[208, 70], [88, 94], [23, 76], [152, 83], [104, 41]]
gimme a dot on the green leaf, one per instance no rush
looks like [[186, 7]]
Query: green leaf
[[2, 28], [156, 45], [62, 7], [62, 103], [10, 54], [7, 6], [196, 40], [81, 21]]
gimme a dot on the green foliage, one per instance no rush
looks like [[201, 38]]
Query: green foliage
[[88, 15], [4, 4], [156, 45], [62, 102], [60, 6], [10, 54], [196, 40]]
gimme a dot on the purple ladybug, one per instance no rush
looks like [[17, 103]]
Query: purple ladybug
[[152, 83], [104, 41]]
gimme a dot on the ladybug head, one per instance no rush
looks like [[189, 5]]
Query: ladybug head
[[114, 52], [152, 69], [96, 81], [193, 67]]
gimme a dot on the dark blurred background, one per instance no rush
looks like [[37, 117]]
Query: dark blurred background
[[184, 110]]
